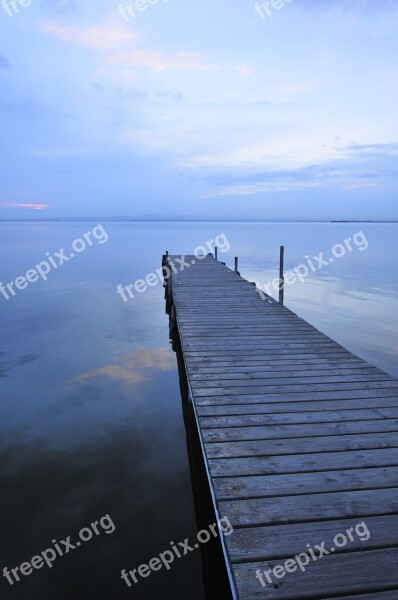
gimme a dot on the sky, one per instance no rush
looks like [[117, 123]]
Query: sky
[[203, 109]]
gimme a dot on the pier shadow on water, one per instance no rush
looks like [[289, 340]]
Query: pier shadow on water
[[215, 575]]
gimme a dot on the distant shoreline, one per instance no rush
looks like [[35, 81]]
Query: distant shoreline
[[134, 220]]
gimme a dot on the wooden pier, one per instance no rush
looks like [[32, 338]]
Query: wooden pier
[[299, 439]]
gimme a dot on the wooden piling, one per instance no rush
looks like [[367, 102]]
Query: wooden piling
[[281, 275]]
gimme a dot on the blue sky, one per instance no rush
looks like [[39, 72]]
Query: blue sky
[[199, 109]]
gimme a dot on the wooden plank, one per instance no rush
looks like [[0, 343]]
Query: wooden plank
[[209, 408], [338, 574], [295, 397], [272, 432], [323, 416], [229, 360], [303, 387], [391, 595], [321, 461], [252, 512], [253, 544], [294, 407], [242, 346], [203, 328], [308, 445], [293, 484], [284, 363], [296, 371], [218, 335], [248, 382], [332, 351]]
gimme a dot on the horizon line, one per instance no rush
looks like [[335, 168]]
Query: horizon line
[[194, 220]]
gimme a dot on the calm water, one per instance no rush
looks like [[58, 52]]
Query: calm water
[[90, 411]]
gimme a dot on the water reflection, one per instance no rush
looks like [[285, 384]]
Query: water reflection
[[20, 361], [55, 493], [90, 412], [134, 368]]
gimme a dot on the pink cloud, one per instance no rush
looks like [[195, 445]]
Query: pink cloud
[[100, 37], [25, 205], [158, 62]]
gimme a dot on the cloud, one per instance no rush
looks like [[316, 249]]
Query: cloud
[[133, 368], [138, 95], [20, 205], [250, 189], [158, 62], [358, 186], [244, 70], [97, 86], [371, 149], [4, 62], [297, 87], [116, 37], [100, 37], [371, 171]]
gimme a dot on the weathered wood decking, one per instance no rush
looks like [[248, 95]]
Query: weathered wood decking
[[299, 436]]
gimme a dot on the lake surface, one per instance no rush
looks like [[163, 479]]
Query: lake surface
[[90, 408]]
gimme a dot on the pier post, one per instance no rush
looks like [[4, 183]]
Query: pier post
[[281, 275], [216, 253], [236, 264]]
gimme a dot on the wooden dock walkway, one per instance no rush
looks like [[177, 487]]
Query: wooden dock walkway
[[299, 439]]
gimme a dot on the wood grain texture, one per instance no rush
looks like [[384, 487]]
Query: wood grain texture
[[272, 432], [284, 541], [339, 574], [315, 507], [316, 482]]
